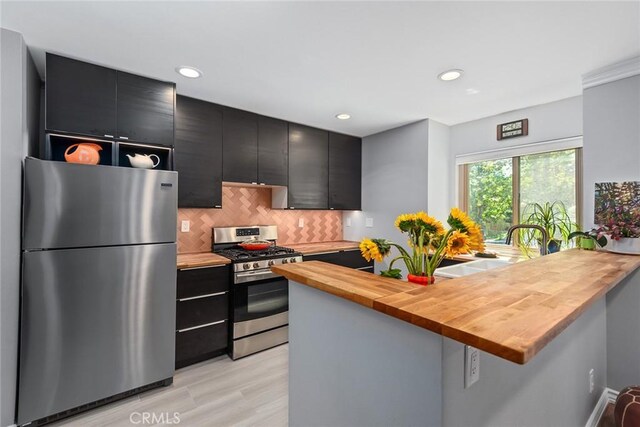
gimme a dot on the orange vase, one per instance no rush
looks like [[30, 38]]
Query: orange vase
[[85, 152], [421, 280]]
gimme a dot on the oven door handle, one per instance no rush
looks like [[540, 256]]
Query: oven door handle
[[254, 275]]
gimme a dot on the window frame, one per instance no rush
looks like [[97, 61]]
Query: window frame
[[463, 182]]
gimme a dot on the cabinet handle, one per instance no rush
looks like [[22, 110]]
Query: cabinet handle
[[108, 136], [331, 209], [324, 253], [204, 266], [201, 326], [202, 296], [292, 207], [123, 137], [254, 183], [217, 206], [262, 183]]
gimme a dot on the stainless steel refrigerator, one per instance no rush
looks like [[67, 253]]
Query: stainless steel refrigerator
[[98, 284]]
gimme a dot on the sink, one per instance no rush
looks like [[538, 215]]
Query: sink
[[471, 267]]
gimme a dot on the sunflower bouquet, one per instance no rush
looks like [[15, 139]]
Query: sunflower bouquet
[[430, 243]]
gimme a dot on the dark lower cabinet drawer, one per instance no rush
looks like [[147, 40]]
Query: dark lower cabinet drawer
[[196, 345], [202, 281], [201, 310], [351, 258]]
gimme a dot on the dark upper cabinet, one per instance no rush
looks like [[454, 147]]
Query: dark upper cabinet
[[308, 167], [87, 99], [239, 146], [345, 172], [273, 151], [198, 153], [80, 97], [145, 109]]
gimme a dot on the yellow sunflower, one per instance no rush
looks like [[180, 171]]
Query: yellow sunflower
[[460, 220], [476, 240], [429, 223], [369, 250], [405, 222], [458, 243]]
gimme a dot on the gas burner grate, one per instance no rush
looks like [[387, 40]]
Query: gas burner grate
[[239, 254]]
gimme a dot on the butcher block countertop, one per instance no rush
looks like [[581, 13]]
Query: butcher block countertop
[[511, 312], [316, 248], [202, 259]]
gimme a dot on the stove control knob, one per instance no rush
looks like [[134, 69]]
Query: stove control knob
[[284, 261], [246, 266], [271, 263], [292, 260], [256, 265]]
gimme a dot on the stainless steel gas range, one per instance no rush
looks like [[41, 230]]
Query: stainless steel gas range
[[259, 297]]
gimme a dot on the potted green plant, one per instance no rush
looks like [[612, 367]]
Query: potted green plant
[[589, 239], [621, 226], [554, 218]]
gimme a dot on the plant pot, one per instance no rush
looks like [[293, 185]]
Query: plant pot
[[626, 245], [421, 280], [554, 246], [587, 244]]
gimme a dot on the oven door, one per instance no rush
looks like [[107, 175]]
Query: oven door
[[259, 306]]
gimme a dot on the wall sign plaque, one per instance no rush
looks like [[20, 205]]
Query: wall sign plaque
[[513, 129]]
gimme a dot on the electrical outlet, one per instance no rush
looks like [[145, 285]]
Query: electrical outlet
[[368, 222], [185, 226], [471, 365], [348, 222], [591, 381], [301, 222]]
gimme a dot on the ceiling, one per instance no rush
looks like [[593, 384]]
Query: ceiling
[[378, 61]]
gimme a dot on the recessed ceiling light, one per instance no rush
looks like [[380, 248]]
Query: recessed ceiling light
[[449, 75], [343, 116], [192, 73]]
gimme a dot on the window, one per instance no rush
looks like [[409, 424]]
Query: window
[[496, 193]]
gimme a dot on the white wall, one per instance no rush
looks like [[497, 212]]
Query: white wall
[[394, 181], [439, 171], [18, 131], [611, 137]]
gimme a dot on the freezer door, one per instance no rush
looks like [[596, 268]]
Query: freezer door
[[71, 205], [94, 323]]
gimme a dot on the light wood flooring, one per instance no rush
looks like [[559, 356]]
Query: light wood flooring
[[220, 392]]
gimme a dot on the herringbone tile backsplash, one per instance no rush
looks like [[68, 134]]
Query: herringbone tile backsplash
[[252, 206]]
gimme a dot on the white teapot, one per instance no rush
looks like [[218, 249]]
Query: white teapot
[[144, 161]]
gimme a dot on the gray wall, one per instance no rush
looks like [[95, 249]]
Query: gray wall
[[555, 120], [394, 181], [551, 390], [352, 366], [612, 153], [611, 136], [18, 134], [623, 334]]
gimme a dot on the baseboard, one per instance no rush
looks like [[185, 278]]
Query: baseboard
[[608, 396]]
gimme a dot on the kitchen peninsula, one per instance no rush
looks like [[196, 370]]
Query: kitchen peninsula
[[541, 326]]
